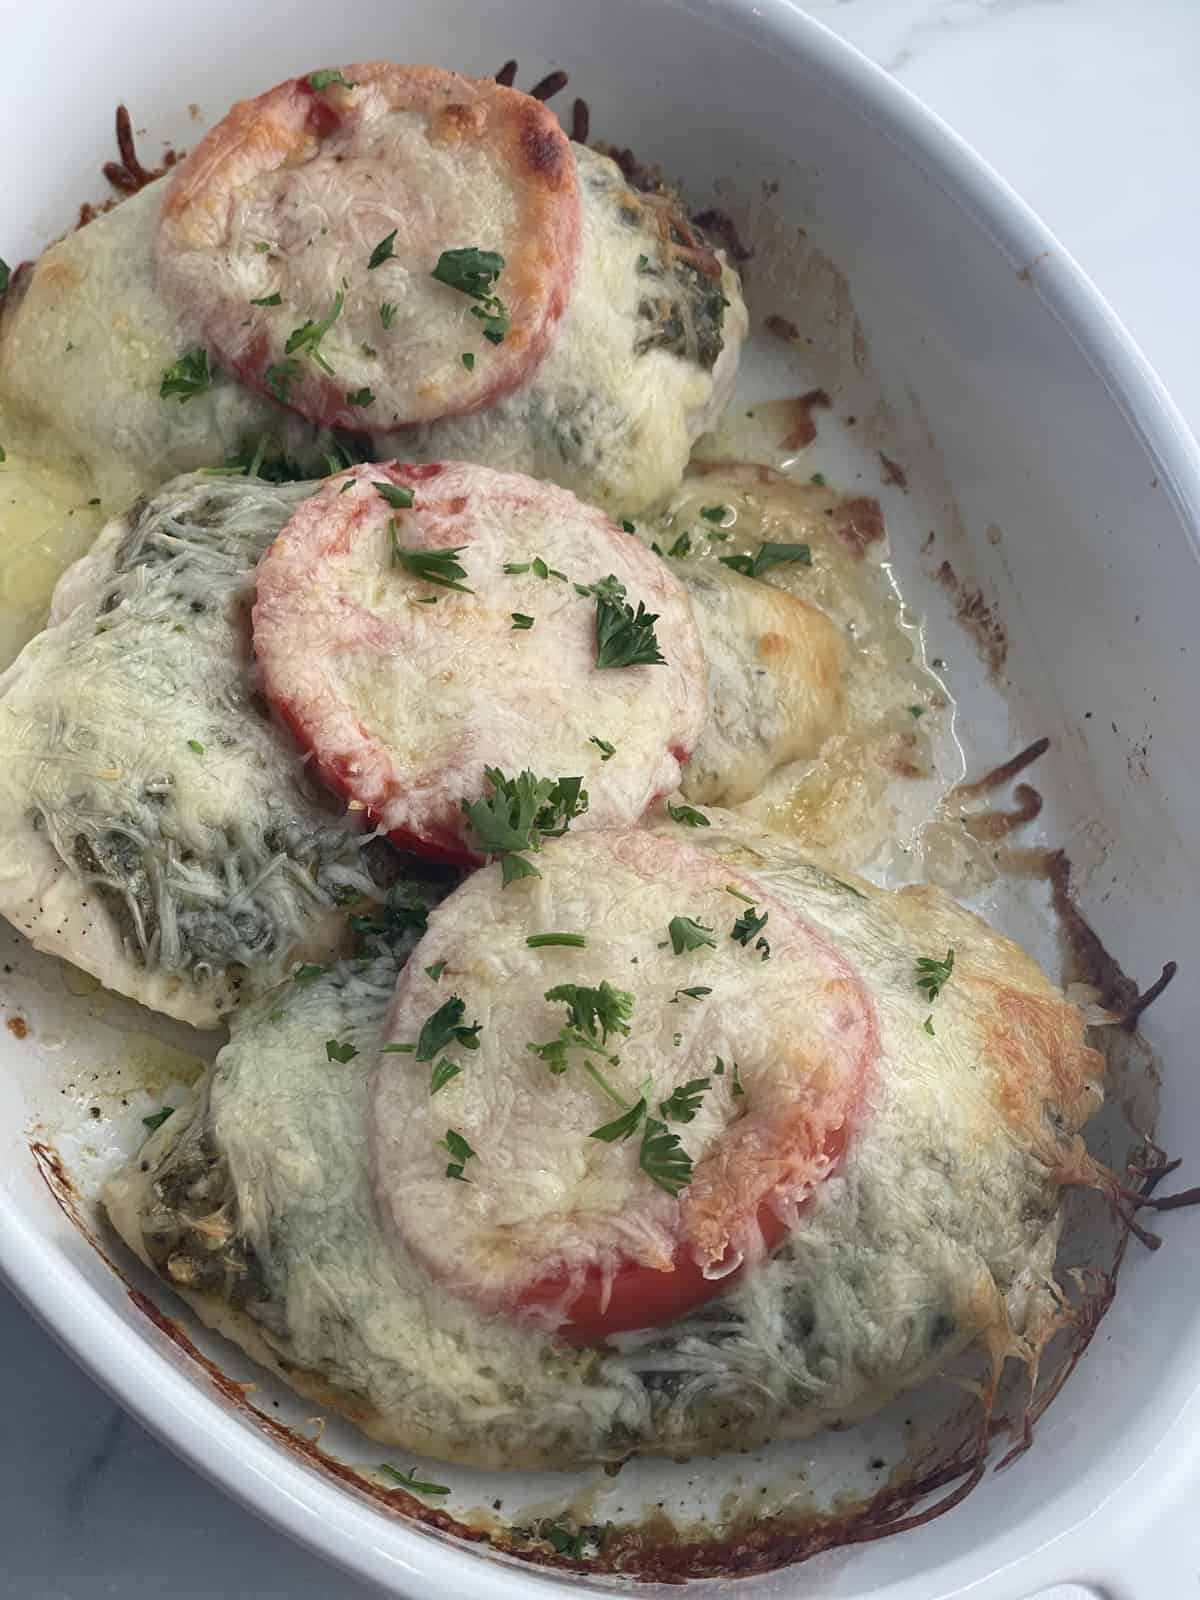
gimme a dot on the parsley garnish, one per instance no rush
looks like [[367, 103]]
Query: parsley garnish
[[595, 1013], [188, 376], [196, 746], [327, 75], [684, 1101], [520, 622], [682, 546], [624, 638], [436, 970], [607, 751], [687, 934], [335, 1050], [929, 1025], [770, 555], [849, 888], [663, 1159], [3, 457], [360, 397], [916, 711], [932, 976], [474, 272], [307, 337], [539, 941], [627, 525], [747, 925], [307, 972], [5, 276], [714, 513], [738, 895], [442, 1073], [468, 360], [395, 916], [159, 1117], [621, 1127], [738, 1091], [434, 566], [444, 1027], [398, 495], [697, 992], [382, 252], [262, 247], [565, 1542], [459, 1151], [688, 816], [409, 1480], [275, 299], [387, 313], [519, 813], [281, 377], [819, 479]]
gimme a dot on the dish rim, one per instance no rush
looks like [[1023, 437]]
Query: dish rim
[[165, 1397]]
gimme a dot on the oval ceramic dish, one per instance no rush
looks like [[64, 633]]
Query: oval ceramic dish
[[1063, 494]]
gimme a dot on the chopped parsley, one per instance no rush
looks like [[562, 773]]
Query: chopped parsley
[[607, 751], [687, 816], [5, 276], [624, 638], [687, 934], [394, 917], [697, 992], [916, 711], [196, 746], [275, 299], [398, 495], [621, 1127], [336, 1050], [387, 313], [597, 1012], [307, 972], [321, 80], [360, 397], [663, 1159], [738, 1091], [819, 479], [468, 360], [573, 941], [929, 1025], [459, 1151], [565, 1542], [156, 1121], [307, 337], [409, 1480], [4, 458], [444, 1027], [715, 514], [187, 377], [520, 622], [474, 272], [382, 252], [280, 378], [747, 926], [933, 975], [684, 1101], [442, 1073], [769, 555], [682, 546], [627, 525], [519, 813], [435, 971], [434, 566], [262, 248]]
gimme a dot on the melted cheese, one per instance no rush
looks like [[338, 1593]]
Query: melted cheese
[[939, 1230]]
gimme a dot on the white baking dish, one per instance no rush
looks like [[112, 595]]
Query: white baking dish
[[1059, 479]]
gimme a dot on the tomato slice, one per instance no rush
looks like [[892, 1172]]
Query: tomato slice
[[641, 1296]]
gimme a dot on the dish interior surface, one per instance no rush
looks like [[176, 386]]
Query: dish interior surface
[[1025, 484]]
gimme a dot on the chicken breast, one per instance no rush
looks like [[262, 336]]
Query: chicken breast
[[624, 325], [156, 828], [934, 1227]]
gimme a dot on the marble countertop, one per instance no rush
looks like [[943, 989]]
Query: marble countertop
[[1089, 109]]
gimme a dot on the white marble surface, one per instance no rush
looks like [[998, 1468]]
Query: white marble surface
[[1090, 109]]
